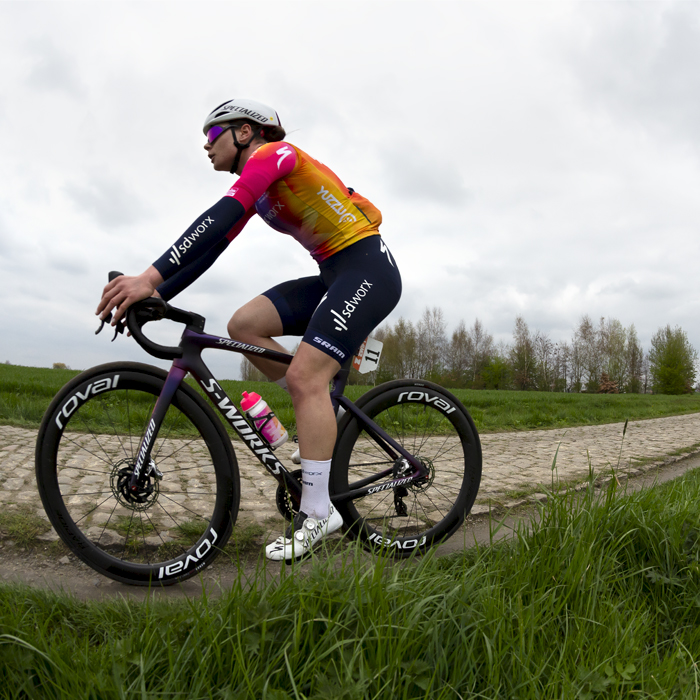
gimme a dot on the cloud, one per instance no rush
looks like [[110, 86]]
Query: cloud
[[639, 63], [527, 157], [412, 169], [53, 70], [108, 201]]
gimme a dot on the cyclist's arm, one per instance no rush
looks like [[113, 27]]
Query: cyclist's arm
[[197, 249], [224, 220], [184, 277], [205, 239]]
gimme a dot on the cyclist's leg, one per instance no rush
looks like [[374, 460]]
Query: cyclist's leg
[[308, 378], [363, 287], [283, 310], [256, 323]]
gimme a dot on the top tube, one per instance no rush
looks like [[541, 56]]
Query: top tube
[[193, 340], [155, 309]]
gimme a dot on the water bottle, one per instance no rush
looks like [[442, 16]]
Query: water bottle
[[265, 421]]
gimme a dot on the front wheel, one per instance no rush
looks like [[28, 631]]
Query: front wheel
[[87, 446], [431, 424]]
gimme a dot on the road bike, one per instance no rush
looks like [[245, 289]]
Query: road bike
[[138, 475]]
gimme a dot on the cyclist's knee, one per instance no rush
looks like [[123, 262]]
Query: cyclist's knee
[[244, 326], [303, 380], [310, 374], [237, 326], [257, 319]]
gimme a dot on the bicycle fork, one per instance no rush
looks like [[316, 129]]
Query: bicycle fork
[[172, 384]]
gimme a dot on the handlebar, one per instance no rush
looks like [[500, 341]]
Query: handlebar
[[156, 309]]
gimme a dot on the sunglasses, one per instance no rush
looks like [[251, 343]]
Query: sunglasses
[[216, 131]]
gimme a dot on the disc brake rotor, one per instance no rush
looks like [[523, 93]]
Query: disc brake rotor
[[145, 495]]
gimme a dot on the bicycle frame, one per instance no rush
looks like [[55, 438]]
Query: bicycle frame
[[192, 343]]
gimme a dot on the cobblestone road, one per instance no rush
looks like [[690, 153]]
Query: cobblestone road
[[515, 464]]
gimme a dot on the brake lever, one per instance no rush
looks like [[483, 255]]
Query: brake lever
[[106, 319], [119, 328]]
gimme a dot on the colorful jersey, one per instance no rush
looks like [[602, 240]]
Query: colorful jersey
[[299, 196]]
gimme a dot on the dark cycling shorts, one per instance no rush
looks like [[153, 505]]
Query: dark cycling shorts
[[357, 289]]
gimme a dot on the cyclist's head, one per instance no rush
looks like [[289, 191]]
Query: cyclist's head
[[263, 120]]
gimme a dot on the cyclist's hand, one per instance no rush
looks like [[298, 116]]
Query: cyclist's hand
[[124, 291]]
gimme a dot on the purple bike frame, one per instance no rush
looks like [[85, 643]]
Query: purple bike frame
[[187, 358]]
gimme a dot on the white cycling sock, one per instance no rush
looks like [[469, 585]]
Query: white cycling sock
[[315, 500]]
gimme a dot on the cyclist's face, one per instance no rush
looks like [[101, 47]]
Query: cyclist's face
[[221, 151]]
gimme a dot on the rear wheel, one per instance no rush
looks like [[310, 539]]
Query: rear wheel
[[431, 424], [86, 451]]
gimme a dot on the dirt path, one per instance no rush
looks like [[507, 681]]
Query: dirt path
[[39, 569]]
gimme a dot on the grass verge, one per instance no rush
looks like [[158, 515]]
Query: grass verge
[[600, 597], [25, 393], [22, 525]]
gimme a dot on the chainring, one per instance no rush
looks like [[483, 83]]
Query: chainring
[[285, 504]]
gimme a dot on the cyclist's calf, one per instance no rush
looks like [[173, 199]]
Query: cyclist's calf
[[308, 378]]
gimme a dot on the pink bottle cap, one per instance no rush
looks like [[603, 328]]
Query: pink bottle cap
[[249, 400]]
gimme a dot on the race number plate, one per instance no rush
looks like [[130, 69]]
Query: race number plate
[[367, 358]]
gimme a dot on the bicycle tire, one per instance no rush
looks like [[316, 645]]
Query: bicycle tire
[[431, 424], [180, 521]]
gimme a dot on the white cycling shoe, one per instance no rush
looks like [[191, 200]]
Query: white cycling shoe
[[301, 535]]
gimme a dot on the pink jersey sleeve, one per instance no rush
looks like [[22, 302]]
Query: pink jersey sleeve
[[269, 163]]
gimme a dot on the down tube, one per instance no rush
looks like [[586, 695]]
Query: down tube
[[237, 421]]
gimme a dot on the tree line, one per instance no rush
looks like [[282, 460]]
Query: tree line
[[600, 357]]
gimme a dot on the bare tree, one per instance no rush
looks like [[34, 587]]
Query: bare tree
[[250, 373], [458, 354], [399, 359], [482, 350], [431, 342], [562, 354], [634, 357], [586, 339], [522, 356], [543, 351], [613, 350]]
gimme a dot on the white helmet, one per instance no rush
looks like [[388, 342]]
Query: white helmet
[[242, 109]]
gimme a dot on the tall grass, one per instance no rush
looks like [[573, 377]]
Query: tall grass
[[26, 392], [600, 597]]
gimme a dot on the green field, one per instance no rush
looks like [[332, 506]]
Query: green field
[[600, 599], [25, 393]]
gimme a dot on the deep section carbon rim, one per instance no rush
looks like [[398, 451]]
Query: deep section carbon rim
[[182, 514], [432, 425]]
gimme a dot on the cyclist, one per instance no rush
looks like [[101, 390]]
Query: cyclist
[[357, 286]]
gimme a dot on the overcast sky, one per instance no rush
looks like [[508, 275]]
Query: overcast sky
[[532, 158]]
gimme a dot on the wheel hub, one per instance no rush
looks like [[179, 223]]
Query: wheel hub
[[147, 490], [423, 483]]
